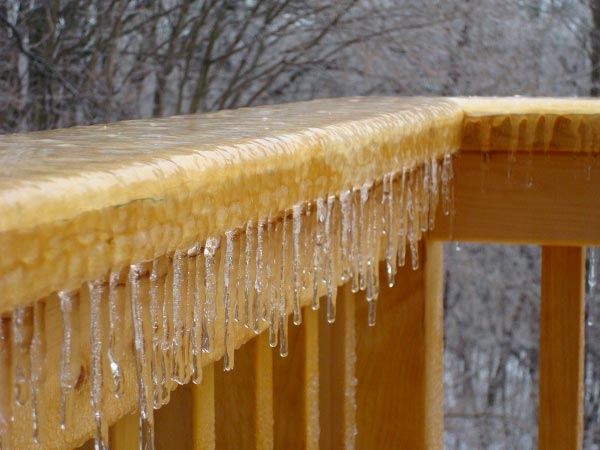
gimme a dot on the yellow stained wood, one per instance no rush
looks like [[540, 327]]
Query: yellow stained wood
[[174, 422], [399, 361], [244, 399], [337, 374], [296, 387], [559, 208], [124, 435], [203, 411], [562, 326]]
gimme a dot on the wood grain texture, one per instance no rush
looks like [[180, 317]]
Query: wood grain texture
[[244, 399], [337, 374], [125, 434], [203, 411], [559, 208], [399, 361], [562, 325], [296, 387]]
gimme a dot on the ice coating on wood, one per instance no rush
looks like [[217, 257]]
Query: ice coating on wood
[[399, 188]]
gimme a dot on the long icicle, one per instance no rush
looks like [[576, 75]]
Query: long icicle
[[283, 309], [198, 318], [210, 286], [318, 252], [116, 314], [141, 321], [228, 307], [329, 269], [257, 302], [96, 289], [70, 361], [38, 365], [296, 267], [22, 321]]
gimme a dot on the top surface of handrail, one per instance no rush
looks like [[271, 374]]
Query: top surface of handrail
[[77, 202]]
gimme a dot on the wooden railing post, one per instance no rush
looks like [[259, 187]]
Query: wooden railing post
[[400, 360], [562, 326]]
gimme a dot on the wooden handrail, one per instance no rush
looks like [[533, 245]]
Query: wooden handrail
[[129, 206]]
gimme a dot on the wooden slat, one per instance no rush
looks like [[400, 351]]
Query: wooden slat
[[296, 387], [124, 435], [244, 399], [337, 374], [562, 327], [560, 208], [399, 365], [203, 411], [173, 422]]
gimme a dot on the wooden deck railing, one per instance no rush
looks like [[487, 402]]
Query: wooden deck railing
[[114, 206]]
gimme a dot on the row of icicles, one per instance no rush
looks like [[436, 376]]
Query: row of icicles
[[253, 277]]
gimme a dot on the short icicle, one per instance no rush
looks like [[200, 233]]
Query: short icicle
[[159, 378], [96, 290], [318, 252], [141, 321], [434, 193], [391, 252], [198, 316], [38, 365], [283, 275], [228, 306], [210, 286], [70, 358], [346, 235], [179, 313], [296, 279], [116, 314], [330, 257], [22, 327], [257, 303]]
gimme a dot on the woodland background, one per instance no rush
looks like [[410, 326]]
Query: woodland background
[[70, 62]]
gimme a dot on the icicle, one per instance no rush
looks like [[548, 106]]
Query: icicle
[[179, 312], [159, 376], [433, 192], [38, 365], [228, 307], [257, 311], [273, 280], [424, 194], [355, 242], [457, 246], [447, 177], [70, 354], [402, 219], [96, 290], [391, 252], [167, 328], [283, 282], [5, 378], [374, 240], [346, 234], [329, 269], [22, 322], [318, 252], [412, 222], [249, 313], [592, 273], [363, 234], [116, 309], [198, 316], [144, 376], [210, 286], [296, 230]]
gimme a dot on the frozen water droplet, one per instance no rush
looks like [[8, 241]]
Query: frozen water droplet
[[228, 307], [70, 353], [592, 273], [96, 290]]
